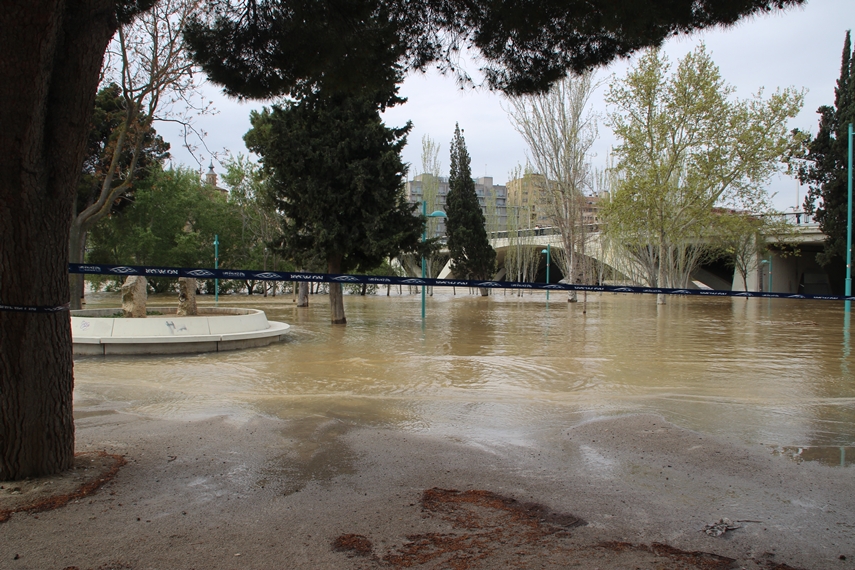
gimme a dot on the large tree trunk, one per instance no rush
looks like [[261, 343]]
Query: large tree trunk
[[336, 298], [52, 53]]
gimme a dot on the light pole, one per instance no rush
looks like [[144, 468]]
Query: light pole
[[546, 251], [849, 224], [435, 214], [216, 266], [769, 261]]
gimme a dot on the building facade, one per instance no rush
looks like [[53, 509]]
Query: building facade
[[434, 190]]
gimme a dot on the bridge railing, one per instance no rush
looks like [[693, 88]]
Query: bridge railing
[[796, 218], [537, 231]]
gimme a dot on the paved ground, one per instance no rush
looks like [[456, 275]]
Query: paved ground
[[632, 492]]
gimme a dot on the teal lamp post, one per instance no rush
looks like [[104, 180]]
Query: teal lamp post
[[769, 261], [849, 225], [435, 214], [216, 266], [547, 252]]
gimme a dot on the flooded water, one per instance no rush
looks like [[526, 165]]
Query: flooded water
[[515, 370]]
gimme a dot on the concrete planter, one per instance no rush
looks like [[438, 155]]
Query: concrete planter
[[96, 331]]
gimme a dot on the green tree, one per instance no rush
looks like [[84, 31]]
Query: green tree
[[559, 134], [261, 224], [822, 161], [153, 73], [471, 253], [337, 174], [686, 147], [266, 47], [107, 125], [171, 221]]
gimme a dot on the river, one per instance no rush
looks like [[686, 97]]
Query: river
[[511, 370]]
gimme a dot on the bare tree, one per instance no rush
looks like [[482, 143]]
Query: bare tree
[[559, 134], [148, 61]]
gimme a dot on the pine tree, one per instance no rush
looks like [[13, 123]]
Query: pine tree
[[470, 250], [338, 178], [824, 162]]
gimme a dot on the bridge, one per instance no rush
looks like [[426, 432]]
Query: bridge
[[786, 273]]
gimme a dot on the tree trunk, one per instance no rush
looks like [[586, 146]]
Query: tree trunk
[[303, 294], [52, 53], [336, 298]]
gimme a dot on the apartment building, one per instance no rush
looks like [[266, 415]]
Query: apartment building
[[492, 198], [528, 206]]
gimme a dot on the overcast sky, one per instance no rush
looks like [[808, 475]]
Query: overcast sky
[[799, 48]]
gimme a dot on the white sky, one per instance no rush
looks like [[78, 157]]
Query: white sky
[[799, 48]]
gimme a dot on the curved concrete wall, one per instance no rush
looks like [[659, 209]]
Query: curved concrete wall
[[97, 332]]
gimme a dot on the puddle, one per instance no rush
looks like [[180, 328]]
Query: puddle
[[835, 456]]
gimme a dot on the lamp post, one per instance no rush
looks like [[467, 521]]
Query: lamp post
[[849, 224], [216, 266], [769, 261], [434, 214], [546, 251]]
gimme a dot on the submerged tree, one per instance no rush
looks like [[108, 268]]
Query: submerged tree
[[823, 161], [471, 253], [337, 176], [686, 147], [559, 134]]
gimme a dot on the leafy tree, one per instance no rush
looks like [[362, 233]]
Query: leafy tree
[[559, 134], [686, 147], [171, 221], [337, 175], [823, 161], [266, 47], [107, 121], [153, 73], [52, 56], [251, 195], [744, 239], [470, 249]]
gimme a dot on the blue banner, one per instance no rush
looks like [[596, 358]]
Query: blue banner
[[255, 275]]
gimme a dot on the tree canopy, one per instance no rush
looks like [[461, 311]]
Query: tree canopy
[[337, 176], [470, 250], [258, 48], [687, 148], [823, 161]]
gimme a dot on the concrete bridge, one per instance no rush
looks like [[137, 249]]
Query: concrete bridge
[[780, 272]]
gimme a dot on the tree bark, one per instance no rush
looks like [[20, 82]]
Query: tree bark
[[52, 53], [336, 297], [302, 294]]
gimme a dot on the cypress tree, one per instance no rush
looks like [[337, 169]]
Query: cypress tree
[[470, 250], [824, 162]]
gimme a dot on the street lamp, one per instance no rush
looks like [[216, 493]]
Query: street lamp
[[769, 261], [216, 266], [546, 251], [435, 214], [849, 224]]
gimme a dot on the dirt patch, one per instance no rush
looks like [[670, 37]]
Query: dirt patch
[[353, 543], [89, 472], [488, 530]]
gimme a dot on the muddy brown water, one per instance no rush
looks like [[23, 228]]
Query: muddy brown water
[[508, 370]]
